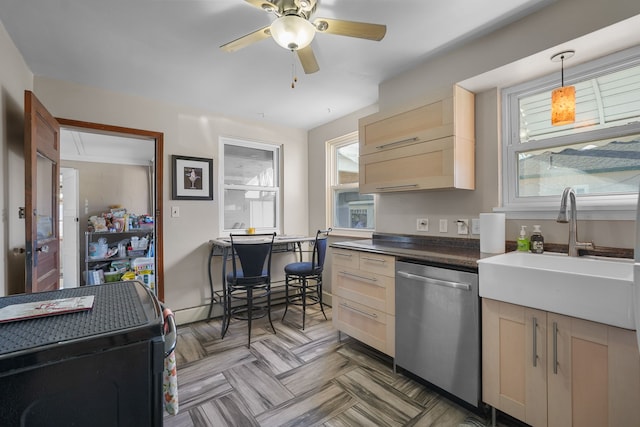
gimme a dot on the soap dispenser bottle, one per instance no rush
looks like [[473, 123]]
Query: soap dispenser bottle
[[537, 241], [523, 240]]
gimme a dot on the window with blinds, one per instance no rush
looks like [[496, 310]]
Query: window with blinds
[[598, 155], [605, 101]]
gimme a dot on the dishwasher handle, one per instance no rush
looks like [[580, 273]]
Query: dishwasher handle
[[432, 281]]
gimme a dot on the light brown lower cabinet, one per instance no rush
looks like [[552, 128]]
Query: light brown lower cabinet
[[548, 369], [363, 286]]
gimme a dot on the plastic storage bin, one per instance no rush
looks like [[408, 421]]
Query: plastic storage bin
[[144, 269]]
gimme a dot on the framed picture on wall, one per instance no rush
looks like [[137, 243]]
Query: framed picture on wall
[[192, 178]]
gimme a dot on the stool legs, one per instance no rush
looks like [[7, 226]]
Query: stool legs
[[303, 289], [304, 299], [269, 309], [319, 292], [249, 313], [286, 295]]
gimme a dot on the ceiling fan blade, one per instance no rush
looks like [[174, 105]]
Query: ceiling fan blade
[[308, 60], [267, 6], [244, 41], [362, 30]]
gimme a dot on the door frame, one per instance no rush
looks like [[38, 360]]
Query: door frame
[[158, 137], [69, 232]]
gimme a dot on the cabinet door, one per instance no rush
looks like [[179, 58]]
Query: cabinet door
[[594, 374], [514, 360], [420, 124], [441, 163]]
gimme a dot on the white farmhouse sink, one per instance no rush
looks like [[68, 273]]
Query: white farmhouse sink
[[592, 288]]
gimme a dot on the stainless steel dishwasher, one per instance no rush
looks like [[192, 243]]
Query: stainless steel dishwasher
[[438, 327]]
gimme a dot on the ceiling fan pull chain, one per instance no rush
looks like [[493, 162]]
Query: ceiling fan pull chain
[[294, 79]]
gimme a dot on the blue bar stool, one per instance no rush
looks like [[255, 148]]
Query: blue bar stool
[[249, 281], [304, 279]]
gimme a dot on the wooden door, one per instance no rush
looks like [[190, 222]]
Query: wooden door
[[514, 354], [42, 191]]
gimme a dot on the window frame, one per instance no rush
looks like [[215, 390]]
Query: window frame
[[332, 186], [597, 207], [276, 149]]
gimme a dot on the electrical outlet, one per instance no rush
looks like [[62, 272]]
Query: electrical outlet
[[475, 226], [463, 226], [175, 211], [443, 225], [422, 224]]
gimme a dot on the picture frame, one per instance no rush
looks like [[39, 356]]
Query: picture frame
[[192, 178]]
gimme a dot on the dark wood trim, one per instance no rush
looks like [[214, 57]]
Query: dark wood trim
[[159, 174]]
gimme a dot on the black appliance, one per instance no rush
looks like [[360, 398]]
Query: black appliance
[[101, 367]]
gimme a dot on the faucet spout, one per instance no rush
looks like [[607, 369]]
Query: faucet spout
[[569, 196]]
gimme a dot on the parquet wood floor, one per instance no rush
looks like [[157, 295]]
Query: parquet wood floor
[[297, 378]]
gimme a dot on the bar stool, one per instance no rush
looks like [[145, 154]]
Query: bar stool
[[249, 281], [305, 278]]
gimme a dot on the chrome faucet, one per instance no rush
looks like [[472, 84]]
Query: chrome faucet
[[574, 245]]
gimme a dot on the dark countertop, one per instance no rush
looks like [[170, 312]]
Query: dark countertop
[[439, 251], [450, 252]]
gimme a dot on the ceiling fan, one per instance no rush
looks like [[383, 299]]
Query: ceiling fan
[[293, 31]]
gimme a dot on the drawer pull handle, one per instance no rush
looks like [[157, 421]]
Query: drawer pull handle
[[343, 254], [535, 342], [356, 276], [348, 307], [555, 347], [432, 281], [373, 259], [391, 144], [391, 187]]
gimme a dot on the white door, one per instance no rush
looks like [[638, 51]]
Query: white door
[[70, 215]]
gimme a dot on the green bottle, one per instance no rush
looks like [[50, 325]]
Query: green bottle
[[523, 240]]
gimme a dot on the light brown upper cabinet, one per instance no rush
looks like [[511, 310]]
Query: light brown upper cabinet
[[429, 147]]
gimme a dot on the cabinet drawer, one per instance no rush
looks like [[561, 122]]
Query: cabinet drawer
[[345, 258], [372, 327], [375, 291], [378, 264]]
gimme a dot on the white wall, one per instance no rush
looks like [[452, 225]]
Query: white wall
[[15, 77], [555, 24], [192, 133]]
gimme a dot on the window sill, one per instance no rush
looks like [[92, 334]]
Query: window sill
[[347, 232], [586, 211]]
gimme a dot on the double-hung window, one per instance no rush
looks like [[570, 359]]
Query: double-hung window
[[347, 208], [251, 185], [598, 155]]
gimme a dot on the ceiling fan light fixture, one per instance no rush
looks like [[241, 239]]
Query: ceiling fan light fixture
[[292, 32]]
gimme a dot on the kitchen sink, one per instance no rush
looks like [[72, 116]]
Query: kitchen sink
[[592, 288]]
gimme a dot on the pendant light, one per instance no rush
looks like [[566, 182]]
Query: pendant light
[[563, 99]]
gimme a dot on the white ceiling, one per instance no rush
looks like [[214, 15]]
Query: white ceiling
[[169, 50]]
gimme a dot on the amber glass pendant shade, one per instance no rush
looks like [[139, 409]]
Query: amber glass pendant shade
[[563, 106], [563, 99]]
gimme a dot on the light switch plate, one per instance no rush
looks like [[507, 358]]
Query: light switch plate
[[475, 225], [175, 211], [422, 224], [443, 225]]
